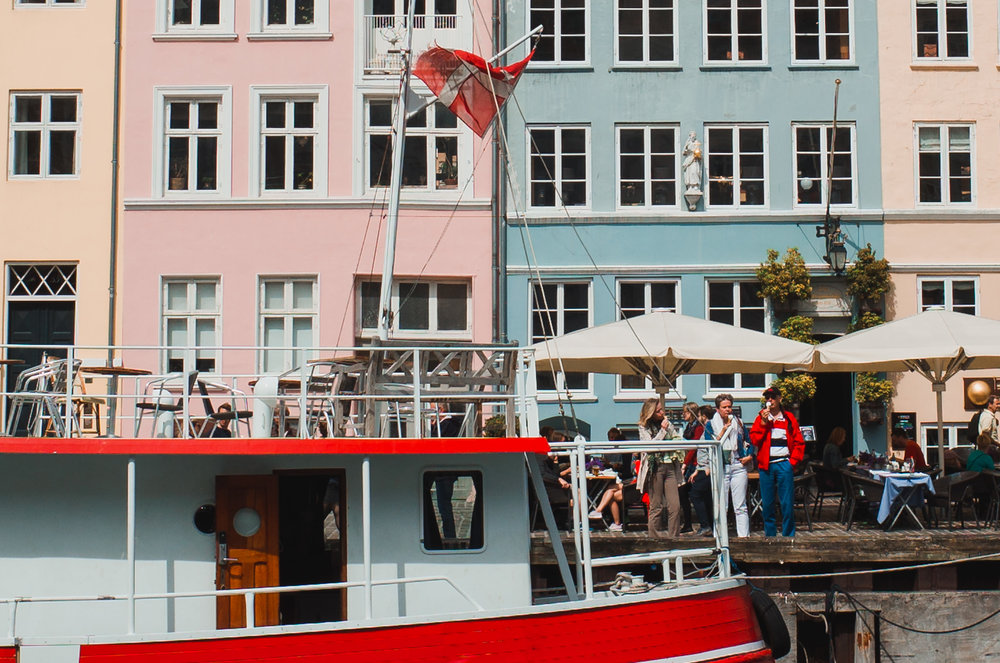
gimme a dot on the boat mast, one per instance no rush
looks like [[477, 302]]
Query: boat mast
[[398, 142]]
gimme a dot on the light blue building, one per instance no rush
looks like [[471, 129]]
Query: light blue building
[[599, 210]]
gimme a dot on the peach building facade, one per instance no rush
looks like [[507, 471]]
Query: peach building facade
[[56, 203], [941, 170], [255, 193]]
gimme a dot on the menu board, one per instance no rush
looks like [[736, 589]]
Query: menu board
[[907, 421]]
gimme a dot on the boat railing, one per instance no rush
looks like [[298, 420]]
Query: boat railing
[[387, 390], [249, 595], [580, 450]]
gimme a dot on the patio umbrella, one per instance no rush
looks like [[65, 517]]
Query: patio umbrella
[[936, 344], [661, 346]]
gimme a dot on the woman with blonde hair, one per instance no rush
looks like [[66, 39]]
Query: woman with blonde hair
[[660, 472]]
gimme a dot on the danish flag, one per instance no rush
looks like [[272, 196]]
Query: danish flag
[[461, 81]]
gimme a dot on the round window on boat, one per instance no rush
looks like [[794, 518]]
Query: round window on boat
[[204, 518], [246, 521]]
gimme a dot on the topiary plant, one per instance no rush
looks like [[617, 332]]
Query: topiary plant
[[786, 280], [795, 387], [798, 328], [868, 277]]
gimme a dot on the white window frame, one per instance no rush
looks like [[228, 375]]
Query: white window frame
[[557, 35], [738, 390], [824, 165], [432, 133], [734, 58], [319, 94], [162, 96], [737, 181], [944, 136], [45, 4], [298, 356], [45, 126], [646, 61], [823, 55], [319, 29], [948, 283], [394, 304], [954, 435], [647, 166], [558, 318], [191, 316], [557, 182], [225, 29], [942, 34], [629, 394]]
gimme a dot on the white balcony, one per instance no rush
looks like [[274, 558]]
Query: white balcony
[[385, 36]]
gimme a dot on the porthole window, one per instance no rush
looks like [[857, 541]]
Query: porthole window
[[453, 510], [246, 522]]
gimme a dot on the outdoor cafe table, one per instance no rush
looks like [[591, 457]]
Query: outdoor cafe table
[[908, 487], [114, 373]]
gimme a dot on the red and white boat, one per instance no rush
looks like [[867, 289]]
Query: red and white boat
[[338, 548]]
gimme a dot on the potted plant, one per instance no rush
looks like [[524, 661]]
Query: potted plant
[[795, 388], [872, 393], [448, 171], [178, 176], [866, 320], [784, 281], [798, 328], [868, 279]]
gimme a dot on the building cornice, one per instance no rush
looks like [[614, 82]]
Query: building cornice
[[161, 205]]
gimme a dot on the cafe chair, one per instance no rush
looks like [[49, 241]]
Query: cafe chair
[[829, 485], [803, 495], [863, 491], [39, 399], [952, 494], [159, 401], [235, 415]]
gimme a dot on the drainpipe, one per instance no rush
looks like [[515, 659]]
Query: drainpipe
[[116, 127]]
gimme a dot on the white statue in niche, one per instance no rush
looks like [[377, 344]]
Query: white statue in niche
[[692, 164], [691, 168]]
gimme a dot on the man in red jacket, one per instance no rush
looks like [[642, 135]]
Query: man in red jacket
[[780, 447]]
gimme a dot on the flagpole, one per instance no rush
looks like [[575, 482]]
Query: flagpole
[[536, 31], [398, 142]]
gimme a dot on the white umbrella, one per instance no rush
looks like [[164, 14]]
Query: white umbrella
[[936, 344], [663, 345]]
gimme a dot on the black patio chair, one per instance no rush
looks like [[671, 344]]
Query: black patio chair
[[952, 493], [864, 491], [829, 485]]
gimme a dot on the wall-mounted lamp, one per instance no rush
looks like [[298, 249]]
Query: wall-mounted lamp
[[836, 252]]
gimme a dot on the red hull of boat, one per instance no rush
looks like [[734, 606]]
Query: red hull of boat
[[710, 626]]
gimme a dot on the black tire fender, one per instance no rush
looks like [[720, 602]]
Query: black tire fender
[[772, 624]]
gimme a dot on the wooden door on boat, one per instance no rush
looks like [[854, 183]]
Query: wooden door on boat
[[246, 509]]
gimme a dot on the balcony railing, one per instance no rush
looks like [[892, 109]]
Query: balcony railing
[[385, 36]]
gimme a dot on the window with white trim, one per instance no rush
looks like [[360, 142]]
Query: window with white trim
[[944, 163], [291, 123], [736, 303], [44, 134], [638, 298], [645, 32], [434, 146], [437, 8], [559, 166], [560, 308], [196, 15], [950, 293], [647, 166], [47, 3], [812, 144], [734, 31], [822, 31], [290, 19], [564, 38], [942, 29], [192, 137], [191, 319], [954, 435], [422, 308], [736, 161], [288, 321]]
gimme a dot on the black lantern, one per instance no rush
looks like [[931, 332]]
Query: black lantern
[[836, 252]]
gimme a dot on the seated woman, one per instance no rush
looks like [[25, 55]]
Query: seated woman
[[832, 455], [980, 459]]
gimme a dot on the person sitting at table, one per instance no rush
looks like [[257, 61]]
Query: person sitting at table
[[910, 448], [221, 428], [615, 498], [832, 454], [979, 459]]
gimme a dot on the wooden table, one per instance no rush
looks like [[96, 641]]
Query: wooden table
[[113, 373]]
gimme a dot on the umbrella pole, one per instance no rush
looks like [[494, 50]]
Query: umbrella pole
[[938, 388]]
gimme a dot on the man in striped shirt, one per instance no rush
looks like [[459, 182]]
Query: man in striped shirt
[[778, 439]]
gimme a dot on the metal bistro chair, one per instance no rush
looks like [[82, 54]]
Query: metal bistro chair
[[39, 396], [829, 485], [863, 491], [161, 403], [330, 386], [951, 494], [213, 417]]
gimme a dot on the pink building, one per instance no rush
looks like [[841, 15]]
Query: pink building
[[941, 170], [257, 164]]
